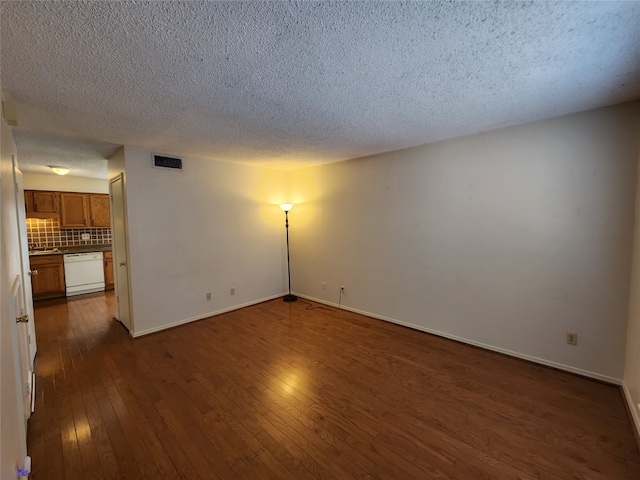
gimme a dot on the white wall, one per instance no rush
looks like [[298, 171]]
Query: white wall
[[65, 183], [115, 165], [507, 239], [209, 228], [13, 441], [631, 384]]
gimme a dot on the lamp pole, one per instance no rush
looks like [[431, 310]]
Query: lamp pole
[[286, 207]]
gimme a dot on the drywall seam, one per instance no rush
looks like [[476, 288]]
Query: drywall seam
[[541, 361], [203, 316]]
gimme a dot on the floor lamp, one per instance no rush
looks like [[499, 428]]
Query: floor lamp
[[286, 207]]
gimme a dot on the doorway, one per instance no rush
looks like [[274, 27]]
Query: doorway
[[120, 253]]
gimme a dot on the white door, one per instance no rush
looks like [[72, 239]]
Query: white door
[[24, 260], [120, 264], [22, 319]]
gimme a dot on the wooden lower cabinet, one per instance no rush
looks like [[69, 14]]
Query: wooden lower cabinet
[[47, 276], [108, 270]]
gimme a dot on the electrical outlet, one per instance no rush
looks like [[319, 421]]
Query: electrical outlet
[[208, 296], [343, 289], [324, 285], [572, 338], [232, 291]]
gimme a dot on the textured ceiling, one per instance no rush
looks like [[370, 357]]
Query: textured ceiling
[[287, 84], [84, 158]]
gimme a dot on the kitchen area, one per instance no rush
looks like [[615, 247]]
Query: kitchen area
[[69, 239]]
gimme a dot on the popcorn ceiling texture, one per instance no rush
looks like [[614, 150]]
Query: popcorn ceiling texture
[[287, 84], [84, 158]]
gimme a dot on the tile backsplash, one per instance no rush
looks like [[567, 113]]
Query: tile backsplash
[[46, 233]]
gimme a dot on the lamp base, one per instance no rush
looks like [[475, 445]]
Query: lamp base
[[289, 298]]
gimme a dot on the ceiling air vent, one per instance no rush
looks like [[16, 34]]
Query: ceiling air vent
[[167, 162]]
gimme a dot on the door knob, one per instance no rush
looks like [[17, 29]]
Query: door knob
[[33, 272], [22, 319]]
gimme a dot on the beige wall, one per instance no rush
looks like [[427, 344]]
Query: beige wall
[[209, 228], [65, 183], [115, 165], [631, 383], [507, 240]]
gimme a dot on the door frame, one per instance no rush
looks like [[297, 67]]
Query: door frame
[[25, 267], [119, 256]]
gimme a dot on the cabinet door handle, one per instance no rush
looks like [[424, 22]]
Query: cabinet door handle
[[35, 207], [33, 272], [122, 264], [84, 222], [93, 222], [22, 319]]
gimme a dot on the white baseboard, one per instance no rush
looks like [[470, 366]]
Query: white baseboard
[[633, 408], [205, 315], [541, 361]]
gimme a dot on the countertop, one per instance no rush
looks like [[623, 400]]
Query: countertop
[[71, 249]]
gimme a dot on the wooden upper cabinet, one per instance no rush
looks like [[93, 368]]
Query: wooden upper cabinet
[[40, 204], [28, 201], [45, 202], [84, 210], [74, 210], [99, 212]]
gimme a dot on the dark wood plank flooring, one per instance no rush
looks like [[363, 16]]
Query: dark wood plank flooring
[[276, 391]]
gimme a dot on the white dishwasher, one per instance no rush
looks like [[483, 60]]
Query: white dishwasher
[[83, 273]]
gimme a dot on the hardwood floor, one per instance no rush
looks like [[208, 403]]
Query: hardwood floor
[[276, 391]]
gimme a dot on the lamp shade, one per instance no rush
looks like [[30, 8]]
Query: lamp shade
[[286, 207], [59, 170]]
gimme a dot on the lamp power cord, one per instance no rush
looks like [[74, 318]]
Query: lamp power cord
[[311, 306]]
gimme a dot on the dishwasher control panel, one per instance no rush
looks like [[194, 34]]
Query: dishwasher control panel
[[82, 257]]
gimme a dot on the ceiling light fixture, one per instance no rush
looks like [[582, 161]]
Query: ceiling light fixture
[[59, 170]]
